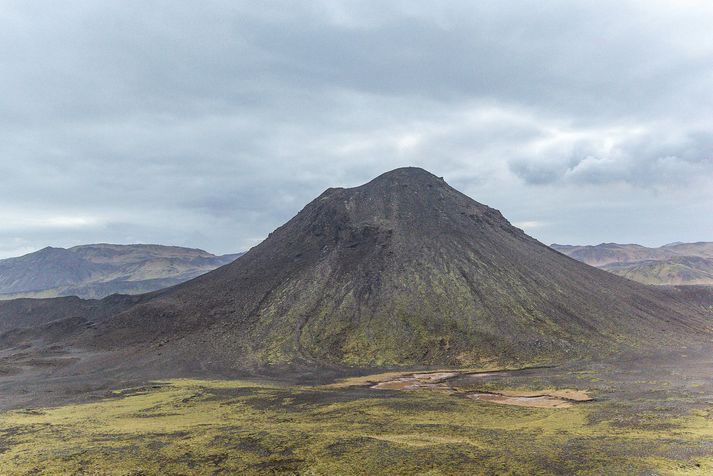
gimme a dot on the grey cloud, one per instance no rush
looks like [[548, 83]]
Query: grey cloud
[[534, 173], [189, 59], [210, 124], [651, 160]]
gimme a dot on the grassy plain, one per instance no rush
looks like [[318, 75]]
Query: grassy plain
[[250, 427]]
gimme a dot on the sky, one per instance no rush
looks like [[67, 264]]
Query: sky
[[210, 123]]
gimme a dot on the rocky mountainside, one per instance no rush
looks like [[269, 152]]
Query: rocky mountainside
[[401, 271], [95, 271], [674, 264], [404, 270]]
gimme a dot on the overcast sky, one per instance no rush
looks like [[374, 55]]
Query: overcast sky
[[210, 123]]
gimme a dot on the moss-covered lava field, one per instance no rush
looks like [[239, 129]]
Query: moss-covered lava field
[[655, 417]]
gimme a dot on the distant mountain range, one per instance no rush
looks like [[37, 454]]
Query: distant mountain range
[[672, 264], [96, 271]]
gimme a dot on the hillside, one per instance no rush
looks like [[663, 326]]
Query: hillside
[[95, 271], [674, 264], [404, 270], [401, 271]]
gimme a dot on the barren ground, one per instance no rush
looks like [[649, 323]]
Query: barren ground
[[647, 416]]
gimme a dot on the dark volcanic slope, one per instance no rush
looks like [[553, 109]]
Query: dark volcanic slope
[[53, 320], [402, 270]]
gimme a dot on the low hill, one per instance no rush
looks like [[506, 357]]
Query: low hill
[[95, 271], [674, 264]]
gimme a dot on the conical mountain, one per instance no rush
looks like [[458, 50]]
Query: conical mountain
[[404, 270]]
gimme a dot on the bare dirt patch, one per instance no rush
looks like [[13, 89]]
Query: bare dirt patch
[[554, 398], [526, 400], [416, 381]]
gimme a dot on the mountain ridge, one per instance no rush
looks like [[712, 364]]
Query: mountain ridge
[[676, 263], [98, 270]]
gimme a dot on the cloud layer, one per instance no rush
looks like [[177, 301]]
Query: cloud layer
[[209, 124]]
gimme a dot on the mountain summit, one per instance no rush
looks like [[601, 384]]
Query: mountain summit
[[404, 270]]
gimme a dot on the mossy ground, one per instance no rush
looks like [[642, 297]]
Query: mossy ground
[[243, 427]]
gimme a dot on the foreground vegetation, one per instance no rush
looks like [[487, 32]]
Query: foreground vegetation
[[242, 427]]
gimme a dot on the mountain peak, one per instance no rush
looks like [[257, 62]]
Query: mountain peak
[[407, 201], [408, 172], [406, 176]]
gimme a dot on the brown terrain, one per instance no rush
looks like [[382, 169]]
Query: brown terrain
[[673, 264], [97, 271]]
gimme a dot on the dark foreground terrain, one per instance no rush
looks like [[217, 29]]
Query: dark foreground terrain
[[649, 415]]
